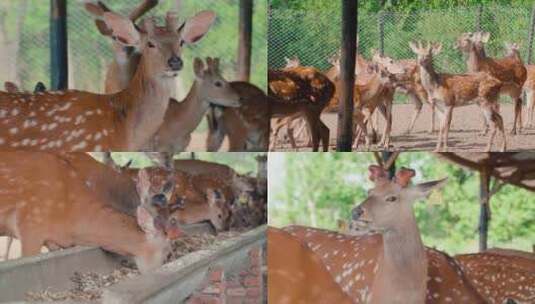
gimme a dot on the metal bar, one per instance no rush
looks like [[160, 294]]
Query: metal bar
[[484, 213], [58, 45], [347, 74], [245, 44], [479, 17], [531, 33]]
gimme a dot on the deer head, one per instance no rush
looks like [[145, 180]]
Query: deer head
[[425, 53], [292, 62], [154, 212], [218, 209], [512, 49], [389, 203], [165, 42], [215, 89]]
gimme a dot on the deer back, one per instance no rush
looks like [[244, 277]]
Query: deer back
[[353, 261]]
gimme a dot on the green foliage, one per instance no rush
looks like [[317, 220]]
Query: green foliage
[[318, 189]]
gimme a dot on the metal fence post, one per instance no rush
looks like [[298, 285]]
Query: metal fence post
[[58, 45], [347, 75], [484, 213], [479, 17], [531, 33], [382, 32], [245, 43]]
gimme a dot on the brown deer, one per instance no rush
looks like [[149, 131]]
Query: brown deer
[[126, 58], [390, 267], [448, 91], [75, 120], [301, 91], [46, 200], [181, 119], [247, 126], [501, 276], [509, 70]]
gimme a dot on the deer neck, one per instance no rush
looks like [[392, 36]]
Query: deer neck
[[428, 76], [186, 116], [373, 88], [474, 59], [144, 103], [403, 266]]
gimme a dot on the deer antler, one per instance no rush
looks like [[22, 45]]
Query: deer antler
[[142, 9]]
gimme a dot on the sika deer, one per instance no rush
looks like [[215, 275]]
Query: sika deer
[[247, 126], [499, 276], [448, 91], [509, 70], [302, 91], [126, 58], [75, 120], [181, 119], [46, 200], [393, 267]]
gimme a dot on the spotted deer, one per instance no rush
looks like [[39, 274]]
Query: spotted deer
[[126, 58], [247, 126], [191, 203], [301, 91], [391, 266], [448, 91], [46, 200], [501, 276], [182, 118], [509, 70], [75, 120]]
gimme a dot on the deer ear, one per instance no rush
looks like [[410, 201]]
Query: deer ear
[[143, 184], [424, 189], [485, 37], [196, 27], [122, 28], [145, 221], [436, 49], [198, 67], [98, 10], [414, 47]]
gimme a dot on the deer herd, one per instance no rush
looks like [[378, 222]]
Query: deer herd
[[381, 258], [378, 80]]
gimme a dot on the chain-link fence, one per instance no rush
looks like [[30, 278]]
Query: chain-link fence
[[25, 52], [314, 36]]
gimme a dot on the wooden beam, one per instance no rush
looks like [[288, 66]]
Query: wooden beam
[[245, 43], [347, 75], [58, 45], [484, 213]]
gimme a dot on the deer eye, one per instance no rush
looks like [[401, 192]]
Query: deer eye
[[391, 199], [151, 45]]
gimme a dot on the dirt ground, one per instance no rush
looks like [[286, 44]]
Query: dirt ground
[[467, 124]]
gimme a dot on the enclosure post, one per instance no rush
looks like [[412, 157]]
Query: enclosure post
[[531, 33], [479, 17], [58, 45], [484, 213], [245, 43], [347, 74], [382, 29]]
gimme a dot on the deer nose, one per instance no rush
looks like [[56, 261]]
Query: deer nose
[[175, 63], [357, 213]]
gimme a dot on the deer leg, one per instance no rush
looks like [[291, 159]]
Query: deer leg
[[529, 106], [440, 130], [290, 133], [359, 128], [302, 132], [279, 124], [518, 116], [325, 134], [386, 111], [314, 131], [433, 108], [447, 124], [417, 109]]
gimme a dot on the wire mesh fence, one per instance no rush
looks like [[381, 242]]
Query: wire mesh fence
[[314, 36], [25, 52]]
